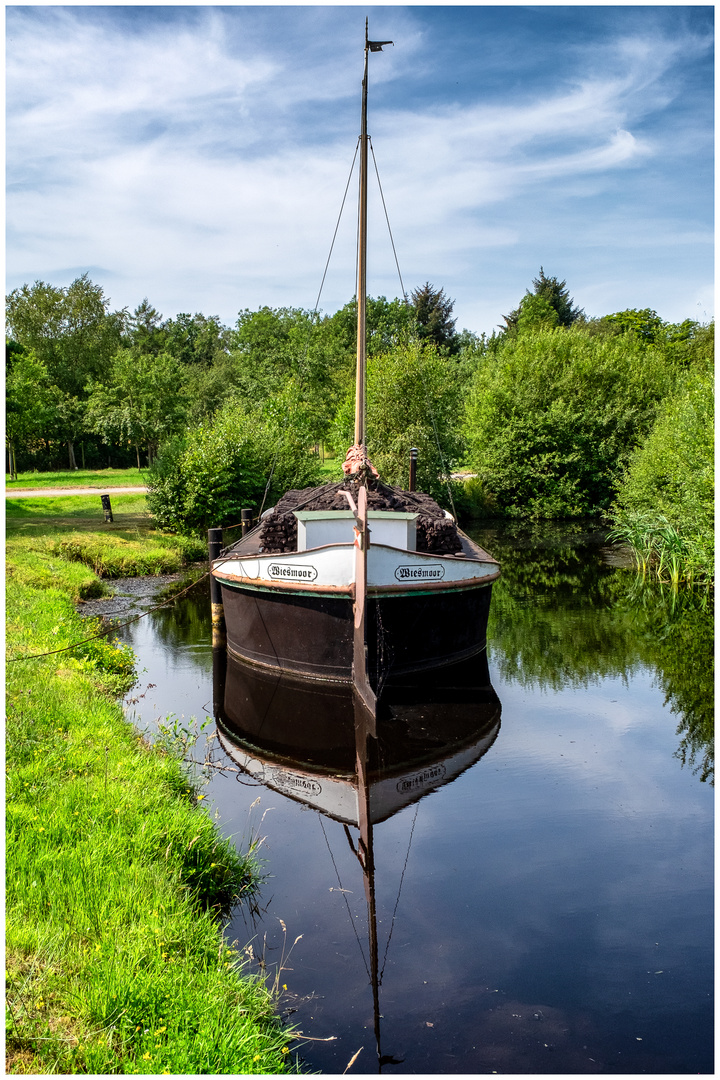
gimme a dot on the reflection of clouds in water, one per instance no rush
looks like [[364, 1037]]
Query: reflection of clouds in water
[[538, 881], [588, 737]]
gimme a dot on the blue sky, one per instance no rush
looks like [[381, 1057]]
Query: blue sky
[[198, 155]]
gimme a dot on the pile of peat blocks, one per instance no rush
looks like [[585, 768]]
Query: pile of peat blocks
[[436, 533]]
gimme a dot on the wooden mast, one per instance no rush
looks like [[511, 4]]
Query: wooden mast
[[362, 266], [361, 680], [360, 375]]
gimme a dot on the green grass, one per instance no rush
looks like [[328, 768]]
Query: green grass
[[117, 879], [331, 469], [81, 507], [99, 478]]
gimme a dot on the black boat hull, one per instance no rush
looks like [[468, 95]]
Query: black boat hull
[[312, 635]]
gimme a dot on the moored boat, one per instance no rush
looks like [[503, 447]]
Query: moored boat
[[295, 610], [357, 581]]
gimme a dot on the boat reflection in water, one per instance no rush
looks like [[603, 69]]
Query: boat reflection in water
[[316, 744]]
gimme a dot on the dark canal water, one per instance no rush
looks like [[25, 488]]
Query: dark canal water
[[543, 859]]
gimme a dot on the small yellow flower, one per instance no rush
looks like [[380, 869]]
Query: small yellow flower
[[117, 811], [42, 829], [200, 797], [146, 1057], [160, 1030], [285, 1050], [256, 1058], [40, 1003]]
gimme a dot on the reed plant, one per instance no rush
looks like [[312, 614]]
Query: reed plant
[[660, 549], [117, 877]]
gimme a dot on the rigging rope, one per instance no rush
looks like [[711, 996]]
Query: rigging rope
[[337, 226], [387, 219], [392, 923], [337, 875]]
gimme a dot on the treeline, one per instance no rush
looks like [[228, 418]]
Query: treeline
[[558, 415], [80, 377]]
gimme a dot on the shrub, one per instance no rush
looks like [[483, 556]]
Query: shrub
[[552, 418], [668, 491], [226, 463]]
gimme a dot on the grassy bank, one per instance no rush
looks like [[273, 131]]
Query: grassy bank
[[117, 878], [66, 537]]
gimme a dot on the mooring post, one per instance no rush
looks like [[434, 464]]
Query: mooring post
[[217, 615], [246, 521], [413, 467], [219, 657], [107, 508]]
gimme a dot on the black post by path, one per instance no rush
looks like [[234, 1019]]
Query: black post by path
[[217, 615], [413, 467], [107, 508]]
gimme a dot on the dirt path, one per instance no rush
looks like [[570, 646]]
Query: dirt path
[[29, 493]]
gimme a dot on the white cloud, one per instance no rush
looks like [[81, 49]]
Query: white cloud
[[202, 162]]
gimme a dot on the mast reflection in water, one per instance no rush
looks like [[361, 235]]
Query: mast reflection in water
[[317, 745]]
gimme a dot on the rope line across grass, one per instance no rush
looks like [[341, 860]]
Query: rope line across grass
[[112, 629]]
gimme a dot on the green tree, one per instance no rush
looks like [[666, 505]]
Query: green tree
[[556, 294], [289, 349], [412, 401], [196, 339], [144, 329], [141, 400], [28, 400], [670, 475], [72, 332], [433, 311], [388, 323], [535, 312]]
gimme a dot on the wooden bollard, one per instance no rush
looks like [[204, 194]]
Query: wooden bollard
[[219, 661], [107, 508], [217, 615]]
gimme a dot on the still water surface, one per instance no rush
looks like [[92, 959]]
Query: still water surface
[[546, 905]]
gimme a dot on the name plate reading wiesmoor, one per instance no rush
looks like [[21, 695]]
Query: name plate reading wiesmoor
[[427, 778], [281, 572], [298, 785], [434, 572]]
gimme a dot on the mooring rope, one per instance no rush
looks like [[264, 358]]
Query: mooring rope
[[113, 628]]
